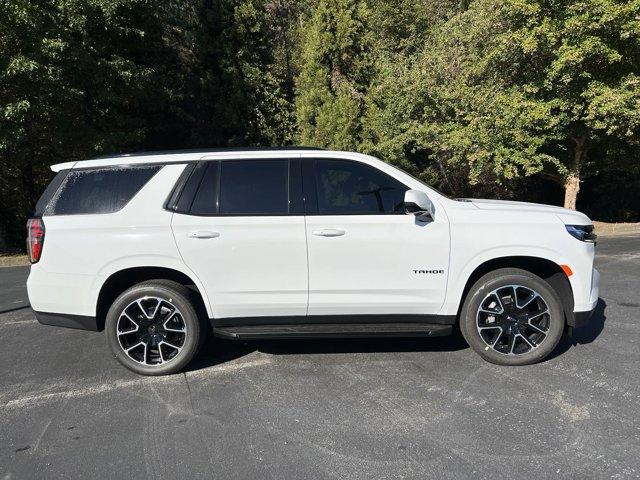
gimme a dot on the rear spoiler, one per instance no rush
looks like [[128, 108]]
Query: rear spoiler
[[62, 166]]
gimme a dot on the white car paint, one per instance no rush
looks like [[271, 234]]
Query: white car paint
[[257, 266], [83, 251], [369, 270], [268, 266]]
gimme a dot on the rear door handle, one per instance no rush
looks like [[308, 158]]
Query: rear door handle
[[203, 234], [328, 232]]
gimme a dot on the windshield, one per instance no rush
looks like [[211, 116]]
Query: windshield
[[429, 186]]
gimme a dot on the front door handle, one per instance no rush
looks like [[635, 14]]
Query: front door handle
[[203, 234], [328, 232]]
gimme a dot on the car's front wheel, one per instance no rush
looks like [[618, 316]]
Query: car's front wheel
[[512, 317], [153, 329]]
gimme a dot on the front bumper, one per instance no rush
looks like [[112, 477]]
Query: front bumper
[[582, 317]]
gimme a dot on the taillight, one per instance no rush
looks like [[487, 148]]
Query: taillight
[[35, 238]]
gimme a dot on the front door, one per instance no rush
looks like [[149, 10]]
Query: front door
[[366, 255], [244, 237]]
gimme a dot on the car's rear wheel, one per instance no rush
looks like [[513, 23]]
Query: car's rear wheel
[[153, 329], [512, 317]]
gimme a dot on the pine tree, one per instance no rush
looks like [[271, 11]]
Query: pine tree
[[238, 99], [336, 71]]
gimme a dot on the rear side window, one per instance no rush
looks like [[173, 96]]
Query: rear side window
[[100, 190], [206, 200], [242, 188], [254, 187], [351, 188]]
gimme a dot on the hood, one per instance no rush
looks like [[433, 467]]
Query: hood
[[569, 217]]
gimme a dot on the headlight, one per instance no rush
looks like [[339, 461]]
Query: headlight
[[583, 233]]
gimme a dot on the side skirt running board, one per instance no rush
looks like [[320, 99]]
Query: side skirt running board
[[332, 330]]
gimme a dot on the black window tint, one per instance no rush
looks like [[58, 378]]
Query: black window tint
[[205, 201], [254, 187], [296, 196], [190, 188], [346, 187], [101, 190], [178, 188], [49, 192]]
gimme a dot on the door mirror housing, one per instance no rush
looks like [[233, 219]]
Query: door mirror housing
[[417, 203]]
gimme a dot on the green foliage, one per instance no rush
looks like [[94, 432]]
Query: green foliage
[[404, 26], [335, 74], [484, 97], [80, 78], [514, 88], [238, 99], [77, 78]]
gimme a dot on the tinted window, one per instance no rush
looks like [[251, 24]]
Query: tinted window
[[51, 189], [205, 201], [183, 205], [178, 188], [346, 187], [254, 187], [101, 190]]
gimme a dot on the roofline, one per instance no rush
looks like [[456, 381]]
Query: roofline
[[177, 156], [203, 151]]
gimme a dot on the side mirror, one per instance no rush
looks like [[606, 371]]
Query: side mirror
[[417, 202]]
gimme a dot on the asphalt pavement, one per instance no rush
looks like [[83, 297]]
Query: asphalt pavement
[[334, 409], [13, 293]]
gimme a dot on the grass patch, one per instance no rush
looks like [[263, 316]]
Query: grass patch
[[17, 260], [609, 229]]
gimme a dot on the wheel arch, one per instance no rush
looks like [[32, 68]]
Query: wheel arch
[[125, 278], [546, 269]]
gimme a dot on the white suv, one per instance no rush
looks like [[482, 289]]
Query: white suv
[[160, 249]]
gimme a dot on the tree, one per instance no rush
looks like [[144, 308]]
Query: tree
[[474, 97], [238, 98], [78, 79], [285, 16], [580, 60], [336, 69], [404, 26], [509, 89], [81, 78]]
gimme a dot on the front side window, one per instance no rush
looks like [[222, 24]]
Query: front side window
[[351, 188], [254, 187], [99, 190]]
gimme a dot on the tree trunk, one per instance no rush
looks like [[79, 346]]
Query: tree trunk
[[572, 180], [289, 80], [571, 189], [443, 171]]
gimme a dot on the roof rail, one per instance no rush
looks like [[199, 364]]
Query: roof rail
[[203, 151]]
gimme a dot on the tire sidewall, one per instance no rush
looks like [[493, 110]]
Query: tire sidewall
[[173, 296], [491, 282]]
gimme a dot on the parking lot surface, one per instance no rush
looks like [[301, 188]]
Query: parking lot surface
[[388, 408]]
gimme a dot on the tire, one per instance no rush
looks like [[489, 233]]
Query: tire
[[508, 332], [153, 328]]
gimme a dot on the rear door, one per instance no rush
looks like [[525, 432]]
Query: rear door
[[366, 255], [243, 234]]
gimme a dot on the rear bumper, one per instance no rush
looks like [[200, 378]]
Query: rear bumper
[[60, 292], [66, 320]]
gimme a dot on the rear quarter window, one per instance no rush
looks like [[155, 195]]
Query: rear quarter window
[[49, 192], [100, 190]]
